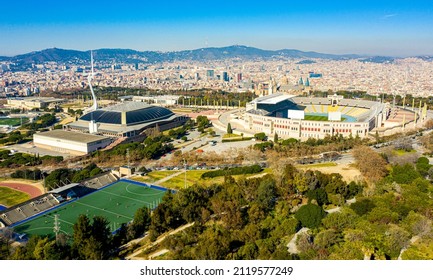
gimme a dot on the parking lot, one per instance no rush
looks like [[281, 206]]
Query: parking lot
[[29, 148]]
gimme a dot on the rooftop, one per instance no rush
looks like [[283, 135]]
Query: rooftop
[[72, 136], [126, 107], [128, 113], [273, 99], [38, 99], [117, 128]]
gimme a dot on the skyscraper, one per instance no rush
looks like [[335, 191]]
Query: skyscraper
[[239, 77], [210, 74], [225, 76]]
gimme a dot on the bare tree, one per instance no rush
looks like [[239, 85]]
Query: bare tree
[[370, 163]]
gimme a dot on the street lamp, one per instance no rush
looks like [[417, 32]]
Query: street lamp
[[185, 164]]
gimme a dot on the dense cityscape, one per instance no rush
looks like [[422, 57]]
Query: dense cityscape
[[400, 76], [199, 133]]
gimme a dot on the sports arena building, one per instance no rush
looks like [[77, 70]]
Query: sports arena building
[[70, 142], [127, 119], [298, 117]]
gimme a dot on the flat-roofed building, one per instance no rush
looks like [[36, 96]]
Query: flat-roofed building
[[33, 102], [160, 100], [75, 143]]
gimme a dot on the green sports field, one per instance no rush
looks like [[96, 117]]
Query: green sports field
[[319, 118], [118, 203], [13, 121], [10, 197]]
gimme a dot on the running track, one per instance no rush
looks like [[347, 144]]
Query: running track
[[31, 190]]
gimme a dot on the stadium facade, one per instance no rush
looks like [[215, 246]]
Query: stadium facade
[[301, 118]]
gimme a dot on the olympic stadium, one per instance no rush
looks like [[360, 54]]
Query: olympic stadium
[[291, 116]]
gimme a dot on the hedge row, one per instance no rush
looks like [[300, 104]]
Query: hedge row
[[232, 171], [236, 139]]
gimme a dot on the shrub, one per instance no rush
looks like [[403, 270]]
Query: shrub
[[232, 171]]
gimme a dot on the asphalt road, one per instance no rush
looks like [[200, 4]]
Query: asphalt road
[[29, 148]]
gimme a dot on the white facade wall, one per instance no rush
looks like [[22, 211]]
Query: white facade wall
[[68, 145], [302, 129]]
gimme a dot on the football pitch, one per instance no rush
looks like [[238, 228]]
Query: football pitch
[[315, 118], [320, 118], [13, 121], [117, 202]]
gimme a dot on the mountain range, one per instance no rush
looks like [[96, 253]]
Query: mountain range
[[133, 56], [120, 56]]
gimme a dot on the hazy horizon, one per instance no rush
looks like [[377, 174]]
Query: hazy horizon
[[397, 28]]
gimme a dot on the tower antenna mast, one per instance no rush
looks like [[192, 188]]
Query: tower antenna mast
[[89, 79]]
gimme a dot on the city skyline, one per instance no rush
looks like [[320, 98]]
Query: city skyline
[[368, 28]]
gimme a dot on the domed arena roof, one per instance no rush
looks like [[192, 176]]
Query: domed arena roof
[[128, 113]]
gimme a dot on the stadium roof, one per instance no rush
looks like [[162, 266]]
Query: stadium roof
[[272, 99], [126, 107], [64, 188], [128, 113], [259, 112], [72, 136]]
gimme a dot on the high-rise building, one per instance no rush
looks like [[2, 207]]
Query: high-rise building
[[239, 77], [301, 81], [225, 76], [210, 74]]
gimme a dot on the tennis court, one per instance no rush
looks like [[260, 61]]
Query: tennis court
[[117, 202]]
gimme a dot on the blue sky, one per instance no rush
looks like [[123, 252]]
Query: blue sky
[[364, 27]]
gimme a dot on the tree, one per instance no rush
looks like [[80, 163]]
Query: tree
[[395, 240], [310, 215], [404, 174], [370, 163], [141, 222], [377, 137], [92, 241], [319, 195], [326, 238], [6, 236], [95, 171], [247, 252], [417, 224], [300, 182], [423, 166], [164, 217], [275, 138], [362, 206], [213, 244], [340, 220], [82, 233], [261, 136], [404, 144], [229, 129], [57, 176], [202, 122], [266, 194]]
